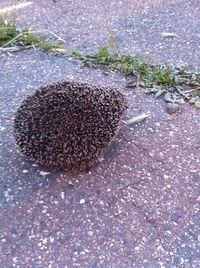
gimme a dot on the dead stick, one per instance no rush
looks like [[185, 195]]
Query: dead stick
[[137, 119], [14, 49]]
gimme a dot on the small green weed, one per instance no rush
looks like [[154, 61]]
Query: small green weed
[[7, 32], [30, 39], [10, 36], [157, 75], [156, 79], [75, 53], [103, 55], [162, 77], [48, 45]]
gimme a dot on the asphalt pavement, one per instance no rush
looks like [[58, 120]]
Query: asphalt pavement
[[139, 205]]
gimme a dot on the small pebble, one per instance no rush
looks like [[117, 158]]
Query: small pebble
[[51, 239], [157, 124], [62, 195], [152, 153], [43, 173], [82, 201], [90, 233], [15, 259], [172, 108], [137, 248]]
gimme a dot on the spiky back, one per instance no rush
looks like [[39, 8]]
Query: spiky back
[[68, 124]]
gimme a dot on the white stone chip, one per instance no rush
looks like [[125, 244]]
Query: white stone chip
[[43, 173], [90, 233], [82, 201], [62, 195]]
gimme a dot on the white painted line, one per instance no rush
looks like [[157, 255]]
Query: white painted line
[[15, 7]]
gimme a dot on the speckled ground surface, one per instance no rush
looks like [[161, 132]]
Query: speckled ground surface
[[139, 207]]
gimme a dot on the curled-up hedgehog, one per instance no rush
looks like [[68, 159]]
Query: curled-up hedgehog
[[67, 125]]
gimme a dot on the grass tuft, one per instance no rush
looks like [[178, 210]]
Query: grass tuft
[[10, 36], [8, 31], [156, 79]]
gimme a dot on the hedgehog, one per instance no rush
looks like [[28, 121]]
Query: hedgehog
[[67, 125]]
